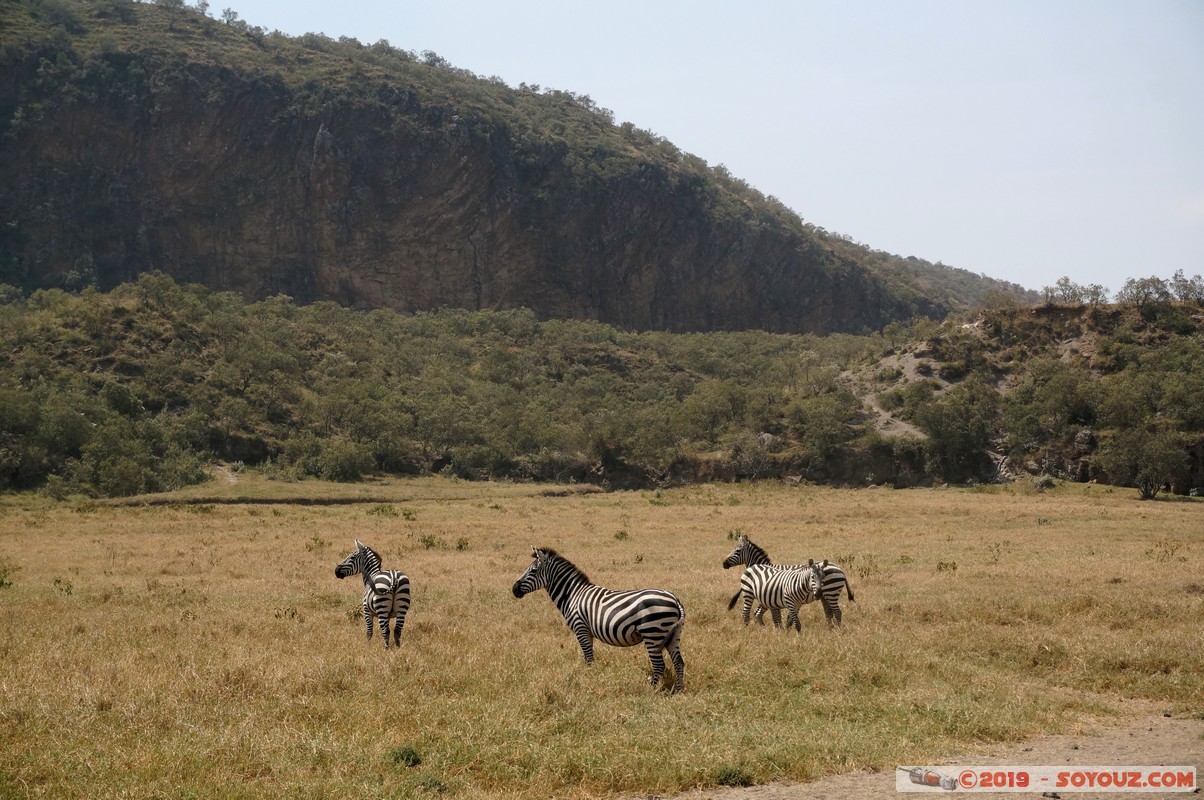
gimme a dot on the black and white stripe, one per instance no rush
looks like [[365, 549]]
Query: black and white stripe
[[386, 592], [770, 589], [620, 618]]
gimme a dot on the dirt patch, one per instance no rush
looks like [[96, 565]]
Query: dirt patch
[[1146, 739], [225, 473]]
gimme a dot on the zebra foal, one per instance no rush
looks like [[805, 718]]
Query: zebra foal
[[386, 592], [620, 618]]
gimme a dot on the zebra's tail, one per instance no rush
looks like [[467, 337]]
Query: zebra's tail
[[848, 585], [674, 637], [732, 603], [675, 632]]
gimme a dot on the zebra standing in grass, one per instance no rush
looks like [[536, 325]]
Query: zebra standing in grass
[[386, 592], [799, 587], [767, 588], [620, 618]]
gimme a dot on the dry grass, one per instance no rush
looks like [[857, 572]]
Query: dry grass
[[210, 651]]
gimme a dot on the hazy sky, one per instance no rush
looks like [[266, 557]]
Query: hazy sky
[[1023, 139]]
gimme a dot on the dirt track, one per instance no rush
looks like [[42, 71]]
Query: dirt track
[[1147, 739]]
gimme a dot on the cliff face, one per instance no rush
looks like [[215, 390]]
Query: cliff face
[[132, 160]]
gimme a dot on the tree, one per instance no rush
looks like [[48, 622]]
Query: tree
[[1069, 292], [174, 8], [1143, 291], [961, 425], [1187, 290], [1148, 461], [1095, 294]]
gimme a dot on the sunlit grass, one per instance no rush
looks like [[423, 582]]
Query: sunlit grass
[[208, 650]]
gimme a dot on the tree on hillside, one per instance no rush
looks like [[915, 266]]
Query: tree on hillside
[[1096, 294], [961, 424], [1068, 291], [1187, 290], [1148, 461], [1071, 293], [1143, 291], [174, 10]]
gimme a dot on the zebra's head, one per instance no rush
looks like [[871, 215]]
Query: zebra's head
[[815, 577], [745, 553], [536, 575], [363, 560], [549, 570], [736, 556]]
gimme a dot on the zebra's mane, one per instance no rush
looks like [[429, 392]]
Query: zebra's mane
[[758, 550], [372, 554], [551, 553]]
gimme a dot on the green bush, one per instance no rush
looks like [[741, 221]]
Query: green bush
[[343, 460]]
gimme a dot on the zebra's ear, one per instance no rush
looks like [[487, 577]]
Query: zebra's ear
[[359, 545], [810, 562]]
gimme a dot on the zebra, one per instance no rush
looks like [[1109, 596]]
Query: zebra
[[831, 581], [620, 618], [799, 587], [386, 592]]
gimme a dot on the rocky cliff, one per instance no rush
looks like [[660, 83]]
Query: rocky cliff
[[139, 137]]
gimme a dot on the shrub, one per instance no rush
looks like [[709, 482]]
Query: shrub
[[343, 460], [732, 776], [406, 756]]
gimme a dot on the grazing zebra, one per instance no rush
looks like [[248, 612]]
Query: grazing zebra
[[831, 581], [386, 592], [620, 618]]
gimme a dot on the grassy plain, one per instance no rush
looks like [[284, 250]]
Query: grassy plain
[[208, 650]]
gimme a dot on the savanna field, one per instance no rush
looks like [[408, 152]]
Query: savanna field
[[206, 649]]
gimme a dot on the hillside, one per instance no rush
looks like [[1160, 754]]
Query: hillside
[[151, 137], [1076, 391], [148, 387]]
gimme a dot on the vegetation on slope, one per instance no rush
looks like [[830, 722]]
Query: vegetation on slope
[[140, 388]]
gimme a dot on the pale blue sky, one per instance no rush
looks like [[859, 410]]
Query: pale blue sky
[[1023, 139]]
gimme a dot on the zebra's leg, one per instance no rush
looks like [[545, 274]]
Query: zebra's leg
[[586, 640], [382, 616], [368, 617], [678, 664], [792, 620], [656, 656], [403, 606], [398, 623], [832, 612], [776, 613], [748, 608]]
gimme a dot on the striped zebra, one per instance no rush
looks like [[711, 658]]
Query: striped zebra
[[620, 618], [763, 586], [386, 592]]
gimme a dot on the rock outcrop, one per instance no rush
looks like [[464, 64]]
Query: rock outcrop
[[372, 189]]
